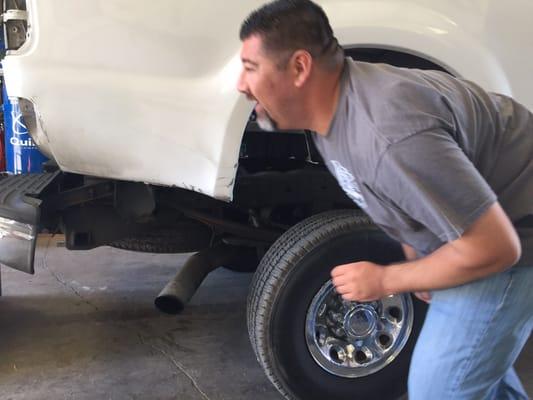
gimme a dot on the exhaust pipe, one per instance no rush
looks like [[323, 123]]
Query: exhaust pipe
[[182, 287]]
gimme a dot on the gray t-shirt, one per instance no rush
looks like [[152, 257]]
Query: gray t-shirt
[[426, 154]]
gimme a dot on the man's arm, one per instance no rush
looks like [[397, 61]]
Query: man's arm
[[489, 246], [411, 255]]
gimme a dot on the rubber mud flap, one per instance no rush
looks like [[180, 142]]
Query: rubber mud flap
[[19, 218]]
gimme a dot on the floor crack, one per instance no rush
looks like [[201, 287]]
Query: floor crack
[[180, 367], [44, 264]]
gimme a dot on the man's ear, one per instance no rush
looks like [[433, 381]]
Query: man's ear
[[301, 65]]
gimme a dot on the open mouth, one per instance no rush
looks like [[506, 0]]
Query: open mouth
[[263, 119]]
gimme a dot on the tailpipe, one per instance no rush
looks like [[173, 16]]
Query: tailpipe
[[182, 287]]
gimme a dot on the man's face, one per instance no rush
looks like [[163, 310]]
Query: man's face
[[262, 81]]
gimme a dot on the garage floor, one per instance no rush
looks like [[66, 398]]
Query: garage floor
[[84, 327]]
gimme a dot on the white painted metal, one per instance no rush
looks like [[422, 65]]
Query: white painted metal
[[145, 91]]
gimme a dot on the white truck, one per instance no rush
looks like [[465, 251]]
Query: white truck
[[153, 149]]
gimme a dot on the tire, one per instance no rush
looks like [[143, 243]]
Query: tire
[[185, 238], [280, 305]]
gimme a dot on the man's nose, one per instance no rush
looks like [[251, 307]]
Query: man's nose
[[241, 84]]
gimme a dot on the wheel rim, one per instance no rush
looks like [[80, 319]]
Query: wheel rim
[[352, 339]]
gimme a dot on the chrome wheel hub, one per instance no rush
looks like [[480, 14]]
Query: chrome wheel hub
[[352, 339], [360, 322]]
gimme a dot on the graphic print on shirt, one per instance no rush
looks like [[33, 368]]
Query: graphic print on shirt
[[348, 184]]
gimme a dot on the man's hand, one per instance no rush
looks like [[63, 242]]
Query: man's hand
[[360, 281]]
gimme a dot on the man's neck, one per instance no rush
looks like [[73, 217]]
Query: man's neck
[[325, 101]]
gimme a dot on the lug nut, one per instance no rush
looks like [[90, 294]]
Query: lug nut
[[337, 354]]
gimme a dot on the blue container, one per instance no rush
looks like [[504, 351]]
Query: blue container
[[22, 155]]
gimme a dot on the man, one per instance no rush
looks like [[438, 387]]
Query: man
[[438, 164]]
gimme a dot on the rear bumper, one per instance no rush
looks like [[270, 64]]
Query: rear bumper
[[20, 213]]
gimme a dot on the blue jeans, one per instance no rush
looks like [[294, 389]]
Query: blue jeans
[[471, 338]]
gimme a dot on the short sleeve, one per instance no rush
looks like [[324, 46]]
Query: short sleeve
[[429, 178]]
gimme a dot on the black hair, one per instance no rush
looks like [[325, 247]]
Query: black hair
[[289, 25]]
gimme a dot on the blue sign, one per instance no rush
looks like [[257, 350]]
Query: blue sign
[[22, 155]]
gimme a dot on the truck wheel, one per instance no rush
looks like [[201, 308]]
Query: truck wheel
[[311, 343]]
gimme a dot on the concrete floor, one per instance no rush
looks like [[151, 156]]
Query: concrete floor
[[84, 327]]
